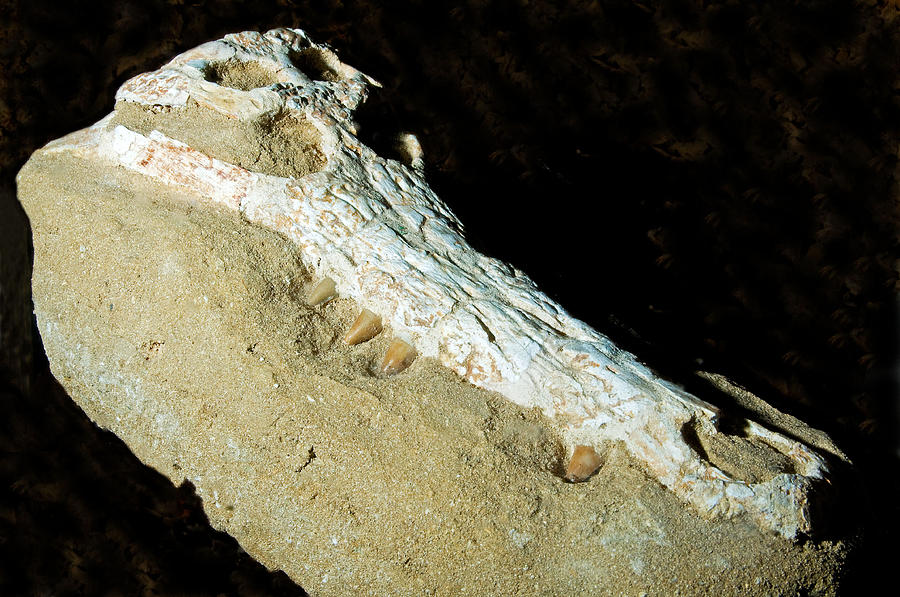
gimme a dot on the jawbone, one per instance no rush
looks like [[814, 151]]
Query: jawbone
[[374, 227]]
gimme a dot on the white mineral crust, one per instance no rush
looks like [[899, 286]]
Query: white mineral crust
[[376, 228]]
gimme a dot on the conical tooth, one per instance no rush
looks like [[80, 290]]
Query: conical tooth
[[366, 327], [584, 463], [323, 291], [398, 357]]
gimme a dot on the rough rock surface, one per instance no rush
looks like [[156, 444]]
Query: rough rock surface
[[174, 243]]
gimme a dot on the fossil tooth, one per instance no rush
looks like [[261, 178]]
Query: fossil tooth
[[584, 462], [366, 327], [399, 356], [322, 292]]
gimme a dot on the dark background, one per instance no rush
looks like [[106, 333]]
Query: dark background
[[704, 182]]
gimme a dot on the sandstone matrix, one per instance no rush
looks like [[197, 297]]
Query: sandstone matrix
[[176, 243]]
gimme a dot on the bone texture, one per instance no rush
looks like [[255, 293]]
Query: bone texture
[[375, 227]]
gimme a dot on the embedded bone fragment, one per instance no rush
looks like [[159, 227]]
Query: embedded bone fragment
[[366, 327], [374, 227], [584, 462], [322, 292], [398, 357]]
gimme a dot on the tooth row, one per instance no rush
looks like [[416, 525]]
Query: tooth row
[[400, 354]]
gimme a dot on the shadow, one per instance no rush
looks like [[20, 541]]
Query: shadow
[[15, 293], [875, 487]]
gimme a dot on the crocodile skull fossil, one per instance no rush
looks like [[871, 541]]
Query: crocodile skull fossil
[[373, 230]]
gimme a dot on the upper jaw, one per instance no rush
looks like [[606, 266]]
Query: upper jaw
[[374, 228]]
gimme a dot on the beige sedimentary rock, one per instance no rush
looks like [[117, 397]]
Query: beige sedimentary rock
[[261, 126]]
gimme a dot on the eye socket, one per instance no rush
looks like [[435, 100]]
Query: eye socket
[[240, 75], [317, 64]]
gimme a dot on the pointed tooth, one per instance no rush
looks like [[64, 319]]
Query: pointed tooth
[[323, 291], [399, 356], [366, 327], [584, 462]]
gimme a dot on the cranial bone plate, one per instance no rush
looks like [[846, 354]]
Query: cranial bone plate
[[374, 227]]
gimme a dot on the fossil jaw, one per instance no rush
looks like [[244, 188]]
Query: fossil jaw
[[376, 230]]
